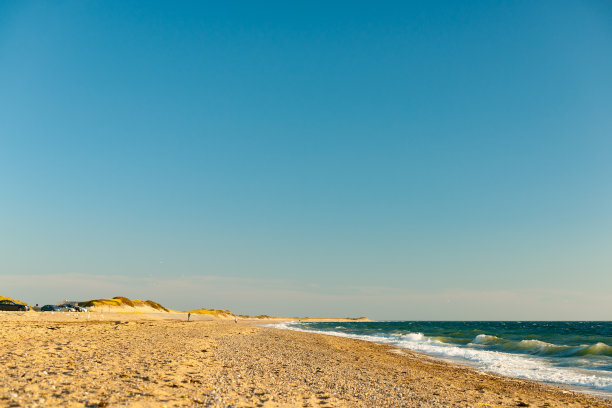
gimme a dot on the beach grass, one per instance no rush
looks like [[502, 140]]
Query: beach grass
[[121, 301], [213, 312], [13, 300]]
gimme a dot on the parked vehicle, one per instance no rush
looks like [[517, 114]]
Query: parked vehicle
[[50, 308], [13, 306]]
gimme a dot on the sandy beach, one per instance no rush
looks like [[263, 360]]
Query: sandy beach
[[139, 360], [306, 204]]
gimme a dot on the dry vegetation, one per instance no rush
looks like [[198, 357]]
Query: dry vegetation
[[14, 300], [120, 301], [214, 312]]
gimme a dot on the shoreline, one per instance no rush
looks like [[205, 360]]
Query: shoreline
[[142, 361], [452, 359]]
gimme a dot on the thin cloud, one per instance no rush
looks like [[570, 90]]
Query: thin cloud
[[278, 297]]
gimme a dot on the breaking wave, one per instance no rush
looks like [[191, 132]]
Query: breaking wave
[[538, 347], [522, 359]]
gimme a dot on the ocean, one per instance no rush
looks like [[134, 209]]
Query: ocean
[[575, 354]]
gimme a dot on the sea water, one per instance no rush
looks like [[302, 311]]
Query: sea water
[[565, 353]]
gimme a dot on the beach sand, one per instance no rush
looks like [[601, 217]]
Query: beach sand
[[138, 360]]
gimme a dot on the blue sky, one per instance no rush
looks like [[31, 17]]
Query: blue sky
[[430, 160]]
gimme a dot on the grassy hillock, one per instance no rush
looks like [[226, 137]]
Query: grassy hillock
[[120, 301], [214, 312], [14, 300]]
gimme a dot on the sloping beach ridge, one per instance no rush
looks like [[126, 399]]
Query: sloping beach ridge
[[121, 304], [113, 357]]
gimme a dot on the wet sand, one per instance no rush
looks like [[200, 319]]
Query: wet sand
[[147, 361]]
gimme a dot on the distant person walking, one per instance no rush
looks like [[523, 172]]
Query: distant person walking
[[188, 316], [235, 319]]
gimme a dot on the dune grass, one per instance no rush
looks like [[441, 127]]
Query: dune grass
[[121, 301], [14, 300], [214, 312]]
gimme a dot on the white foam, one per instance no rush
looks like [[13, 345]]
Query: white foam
[[413, 337], [484, 338], [512, 365]]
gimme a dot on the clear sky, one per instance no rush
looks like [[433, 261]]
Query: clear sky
[[401, 160]]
